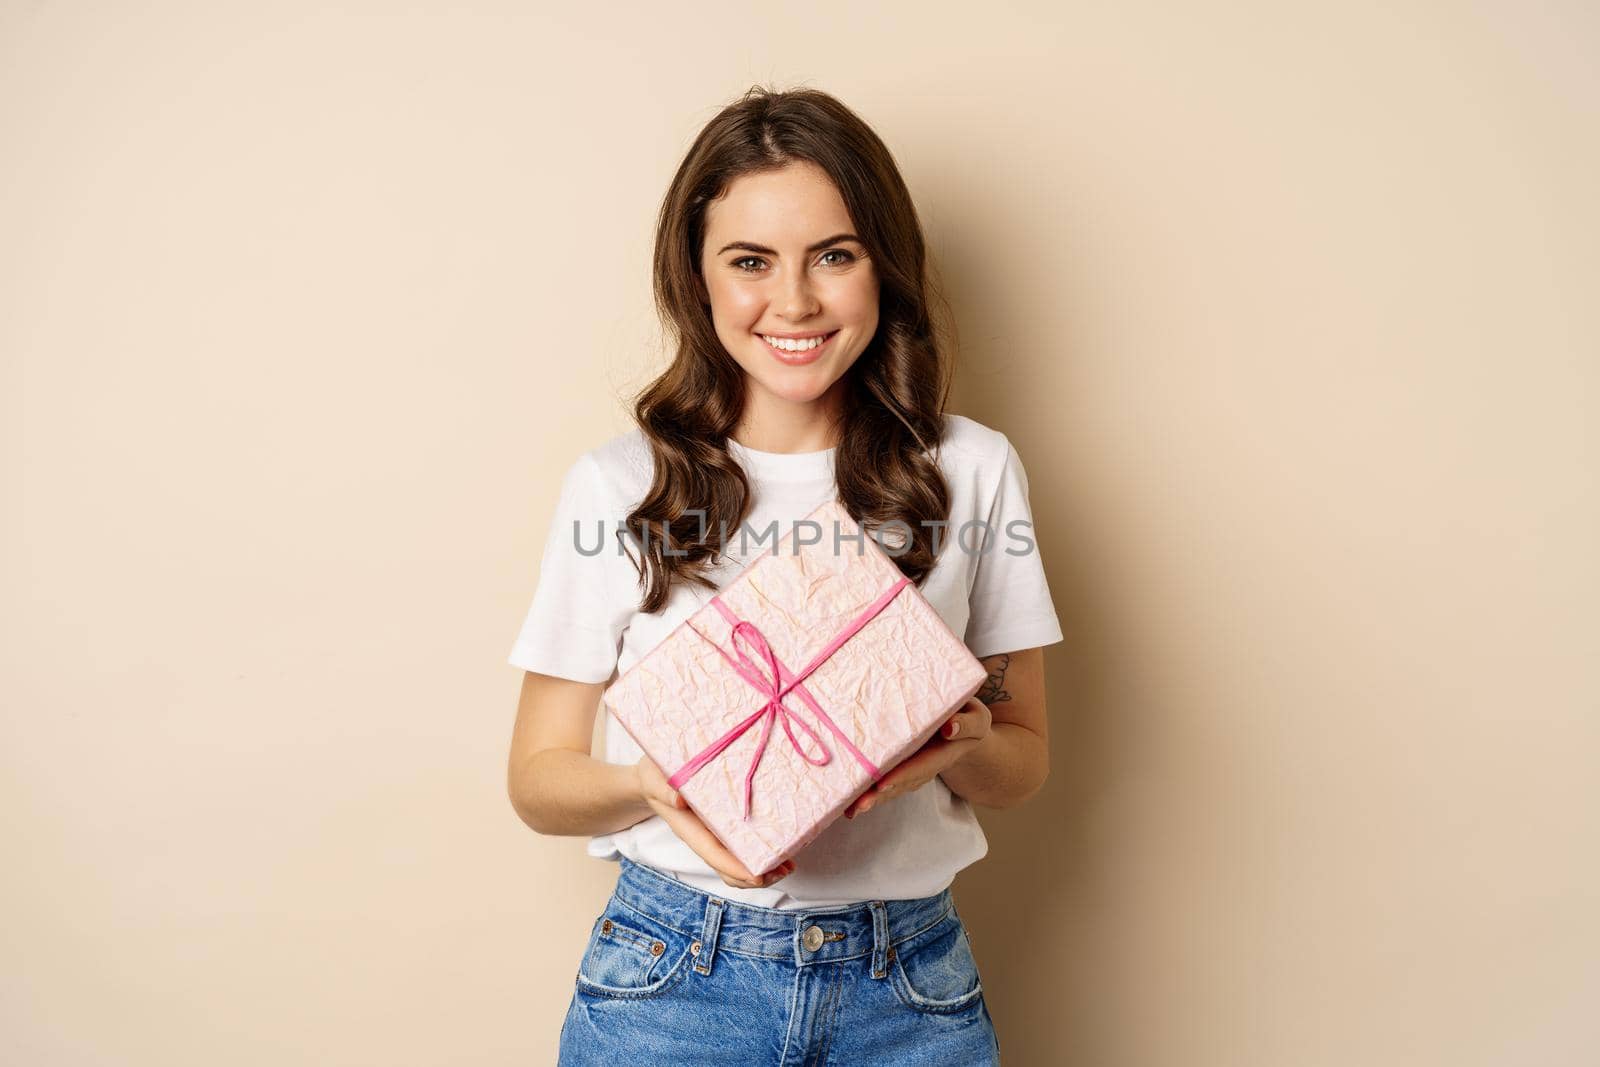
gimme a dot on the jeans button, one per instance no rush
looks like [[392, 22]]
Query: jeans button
[[811, 938]]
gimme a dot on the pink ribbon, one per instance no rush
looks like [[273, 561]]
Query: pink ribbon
[[776, 686]]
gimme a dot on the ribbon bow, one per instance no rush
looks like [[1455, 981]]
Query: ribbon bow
[[775, 687]]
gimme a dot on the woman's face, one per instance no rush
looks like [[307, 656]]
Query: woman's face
[[782, 267]]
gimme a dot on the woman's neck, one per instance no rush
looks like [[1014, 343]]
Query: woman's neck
[[786, 430]]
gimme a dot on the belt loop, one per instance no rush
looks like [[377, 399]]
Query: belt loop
[[708, 936], [880, 939]]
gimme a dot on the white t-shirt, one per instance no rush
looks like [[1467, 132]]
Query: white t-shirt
[[584, 624]]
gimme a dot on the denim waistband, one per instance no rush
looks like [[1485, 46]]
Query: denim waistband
[[803, 936]]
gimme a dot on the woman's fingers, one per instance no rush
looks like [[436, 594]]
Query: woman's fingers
[[923, 765], [972, 721], [695, 834], [778, 873]]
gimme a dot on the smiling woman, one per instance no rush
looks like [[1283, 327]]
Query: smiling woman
[[788, 220], [797, 303], [790, 267]]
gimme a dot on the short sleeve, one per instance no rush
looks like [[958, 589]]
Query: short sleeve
[[574, 626], [1009, 605]]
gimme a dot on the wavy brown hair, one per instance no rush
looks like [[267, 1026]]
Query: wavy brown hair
[[891, 420]]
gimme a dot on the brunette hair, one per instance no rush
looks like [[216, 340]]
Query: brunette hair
[[891, 420]]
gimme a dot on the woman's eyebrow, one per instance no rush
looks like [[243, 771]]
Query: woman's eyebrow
[[750, 246]]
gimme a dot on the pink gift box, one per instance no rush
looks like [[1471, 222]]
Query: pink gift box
[[879, 671]]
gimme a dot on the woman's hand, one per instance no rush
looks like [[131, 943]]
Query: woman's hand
[[960, 734], [668, 803]]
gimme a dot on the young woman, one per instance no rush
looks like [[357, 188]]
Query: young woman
[[789, 265]]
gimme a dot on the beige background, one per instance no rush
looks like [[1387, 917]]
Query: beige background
[[1289, 313]]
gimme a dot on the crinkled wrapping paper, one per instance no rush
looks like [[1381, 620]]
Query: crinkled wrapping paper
[[888, 688]]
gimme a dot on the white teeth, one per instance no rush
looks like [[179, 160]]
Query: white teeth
[[794, 346]]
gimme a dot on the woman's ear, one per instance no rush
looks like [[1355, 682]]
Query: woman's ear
[[700, 289]]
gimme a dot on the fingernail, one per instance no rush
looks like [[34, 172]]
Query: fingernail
[[952, 728]]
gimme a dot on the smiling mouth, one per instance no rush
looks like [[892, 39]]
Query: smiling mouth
[[801, 355]]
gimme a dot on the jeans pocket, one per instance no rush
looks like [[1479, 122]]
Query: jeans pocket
[[631, 954], [934, 971]]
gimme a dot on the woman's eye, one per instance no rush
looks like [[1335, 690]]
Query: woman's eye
[[752, 264]]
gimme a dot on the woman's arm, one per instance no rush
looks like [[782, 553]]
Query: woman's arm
[[998, 754], [1010, 764], [556, 787]]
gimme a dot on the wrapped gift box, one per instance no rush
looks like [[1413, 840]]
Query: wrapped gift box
[[866, 672]]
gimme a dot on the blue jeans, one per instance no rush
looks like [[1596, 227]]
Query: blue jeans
[[673, 976]]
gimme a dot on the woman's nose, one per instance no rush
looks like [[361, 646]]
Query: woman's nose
[[798, 300]]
